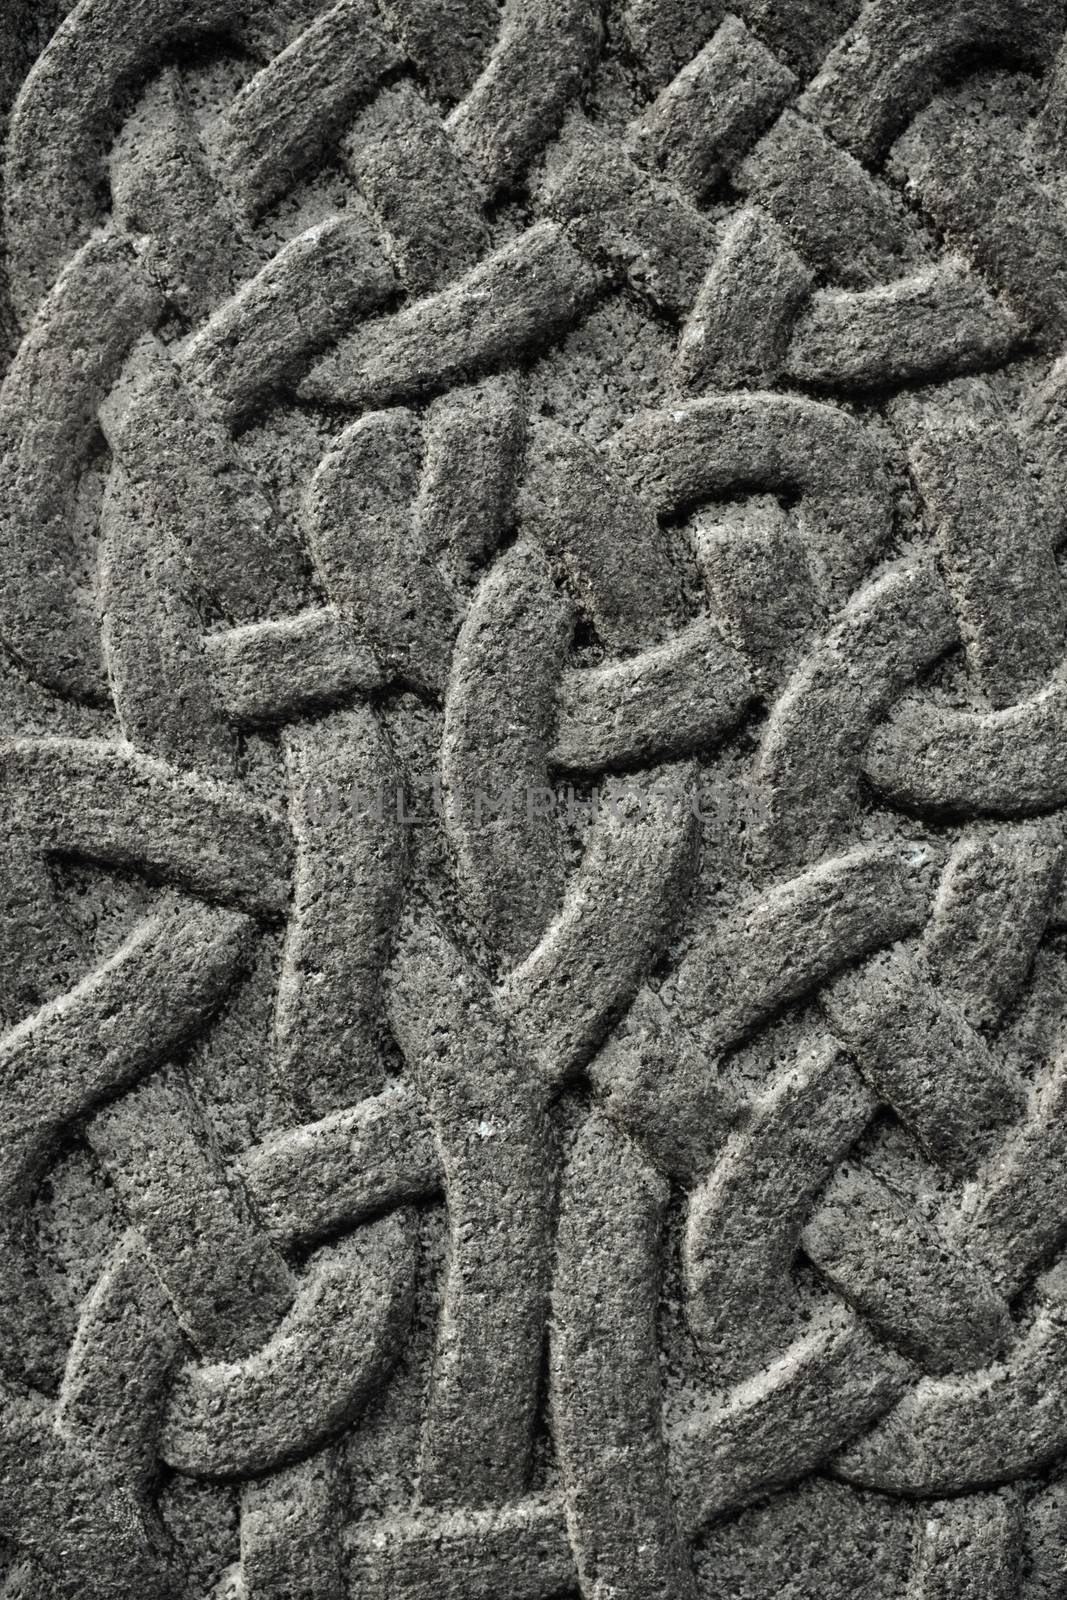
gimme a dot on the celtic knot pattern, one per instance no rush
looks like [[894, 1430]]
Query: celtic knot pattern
[[643, 402]]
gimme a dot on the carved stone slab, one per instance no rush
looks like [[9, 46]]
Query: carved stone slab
[[533, 766]]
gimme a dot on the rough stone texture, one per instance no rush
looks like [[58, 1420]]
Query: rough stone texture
[[533, 774]]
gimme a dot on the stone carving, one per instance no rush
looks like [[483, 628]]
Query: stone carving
[[533, 753]]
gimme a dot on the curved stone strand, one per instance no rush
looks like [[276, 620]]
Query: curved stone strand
[[989, 914], [995, 543], [151, 633], [602, 536], [781, 944], [111, 1396], [121, 1020], [829, 1386], [48, 407], [613, 925], [937, 321], [813, 746], [37, 954], [675, 699], [162, 190], [604, 1370], [1012, 1216], [228, 1284], [973, 1429], [572, 956], [108, 803], [702, 449], [994, 901], [498, 734], [309, 1181], [358, 514], [745, 1218], [90, 1535], [968, 169], [526, 293], [545, 48], [474, 441], [350, 861], [51, 183], [303, 99], [1008, 763], [326, 1360], [488, 1112], [241, 559], [884, 69], [269, 332]]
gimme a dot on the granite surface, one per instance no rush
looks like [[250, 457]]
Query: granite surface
[[533, 762]]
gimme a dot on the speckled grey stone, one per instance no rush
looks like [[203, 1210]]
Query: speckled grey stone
[[533, 765]]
